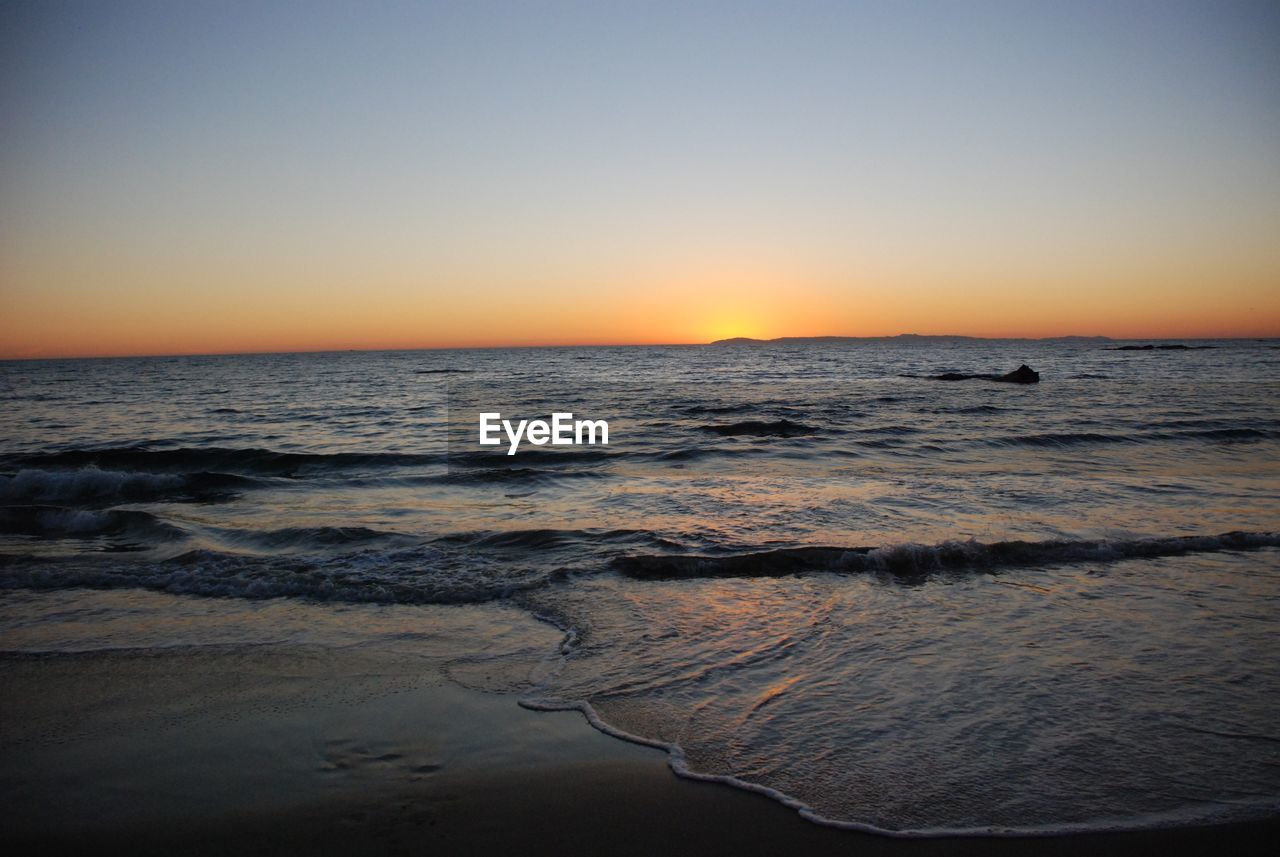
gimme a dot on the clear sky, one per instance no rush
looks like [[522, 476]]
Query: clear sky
[[207, 177]]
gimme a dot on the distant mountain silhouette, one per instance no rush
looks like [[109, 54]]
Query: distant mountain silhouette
[[905, 338]]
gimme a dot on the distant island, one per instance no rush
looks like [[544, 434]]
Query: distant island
[[905, 338]]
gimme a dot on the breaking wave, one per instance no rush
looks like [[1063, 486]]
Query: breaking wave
[[92, 485], [58, 522], [914, 560], [252, 462], [360, 564], [418, 575]]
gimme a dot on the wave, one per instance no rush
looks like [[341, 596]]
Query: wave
[[484, 476], [974, 409], [890, 430], [343, 564], [498, 459], [770, 406], [1230, 434], [145, 530], [1065, 439], [914, 560], [543, 539], [357, 564], [678, 762], [309, 539], [759, 428], [54, 522], [694, 454], [91, 485], [423, 574], [250, 461], [716, 409]]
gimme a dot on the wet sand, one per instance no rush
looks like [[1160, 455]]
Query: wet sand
[[311, 750]]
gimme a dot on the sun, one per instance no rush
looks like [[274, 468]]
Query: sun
[[732, 326]]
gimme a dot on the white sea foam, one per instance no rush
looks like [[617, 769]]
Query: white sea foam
[[677, 761]]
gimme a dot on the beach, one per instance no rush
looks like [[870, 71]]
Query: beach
[[308, 750]]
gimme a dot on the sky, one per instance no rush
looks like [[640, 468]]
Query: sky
[[206, 177]]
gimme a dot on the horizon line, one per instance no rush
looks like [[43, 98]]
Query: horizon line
[[704, 344]]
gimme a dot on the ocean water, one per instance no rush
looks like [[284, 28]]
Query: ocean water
[[895, 603]]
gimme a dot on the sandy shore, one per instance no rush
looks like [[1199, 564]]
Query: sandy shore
[[312, 750]]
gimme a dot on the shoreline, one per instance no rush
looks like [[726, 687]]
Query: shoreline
[[314, 750], [679, 767]]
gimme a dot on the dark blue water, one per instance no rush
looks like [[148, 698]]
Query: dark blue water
[[899, 602]]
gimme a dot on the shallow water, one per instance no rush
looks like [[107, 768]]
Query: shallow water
[[903, 603]]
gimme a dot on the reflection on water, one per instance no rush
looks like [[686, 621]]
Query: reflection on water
[[1135, 692]]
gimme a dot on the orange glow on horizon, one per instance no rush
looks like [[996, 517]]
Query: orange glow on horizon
[[428, 177], [697, 305], [129, 343]]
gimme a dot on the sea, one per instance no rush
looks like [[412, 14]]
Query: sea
[[809, 569]]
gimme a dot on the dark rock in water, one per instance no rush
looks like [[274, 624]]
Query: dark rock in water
[[781, 428], [1024, 374]]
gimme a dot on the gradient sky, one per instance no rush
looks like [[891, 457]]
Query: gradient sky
[[210, 177]]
